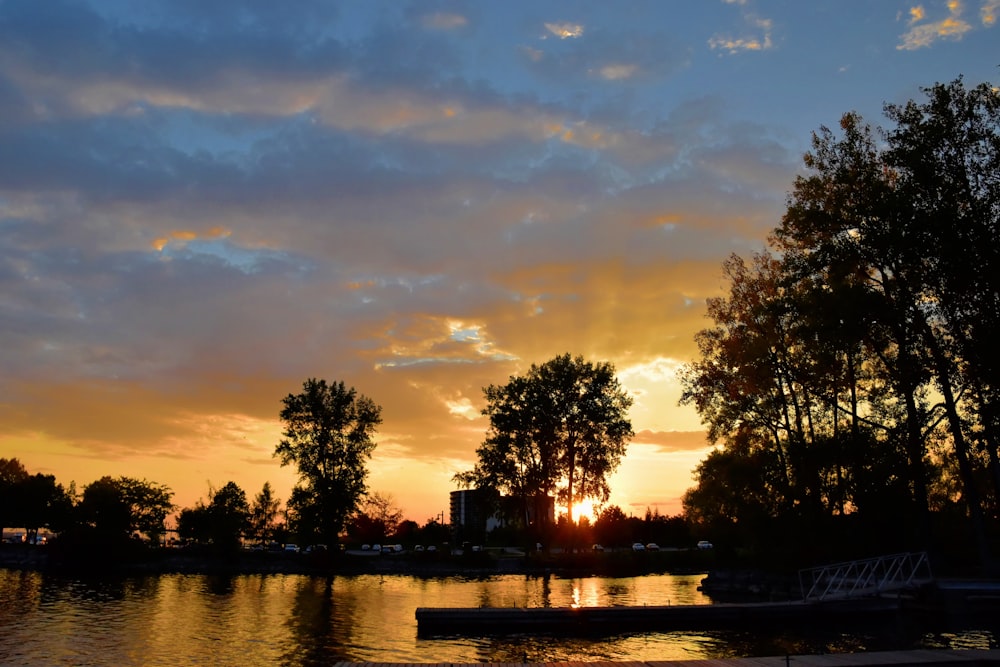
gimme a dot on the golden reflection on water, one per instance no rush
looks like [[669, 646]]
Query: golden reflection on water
[[300, 620]]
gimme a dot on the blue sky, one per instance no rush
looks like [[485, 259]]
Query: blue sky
[[203, 204]]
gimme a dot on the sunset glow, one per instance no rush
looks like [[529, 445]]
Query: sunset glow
[[584, 508], [201, 207]]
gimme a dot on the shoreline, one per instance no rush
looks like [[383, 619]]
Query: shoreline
[[172, 561]]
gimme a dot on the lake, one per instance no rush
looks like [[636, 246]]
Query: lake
[[184, 619]]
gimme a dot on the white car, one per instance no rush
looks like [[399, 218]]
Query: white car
[[638, 546], [704, 544]]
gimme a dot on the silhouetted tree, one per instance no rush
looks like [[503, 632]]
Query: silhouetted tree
[[913, 221], [377, 518], [12, 475], [228, 515], [559, 430], [193, 523], [264, 514], [329, 435], [820, 374], [611, 528], [122, 506], [43, 503], [407, 532], [434, 532]]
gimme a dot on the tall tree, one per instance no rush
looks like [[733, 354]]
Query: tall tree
[[329, 435], [913, 220], [560, 429], [43, 503], [264, 513], [12, 475], [229, 517], [862, 355]]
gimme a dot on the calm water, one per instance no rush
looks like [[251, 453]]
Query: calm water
[[301, 620]]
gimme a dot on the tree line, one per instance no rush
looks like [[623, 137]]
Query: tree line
[[113, 512], [109, 510], [850, 377], [557, 431]]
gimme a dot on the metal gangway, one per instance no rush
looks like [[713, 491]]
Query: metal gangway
[[865, 578]]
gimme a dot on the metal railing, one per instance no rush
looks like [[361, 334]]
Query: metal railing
[[868, 577]]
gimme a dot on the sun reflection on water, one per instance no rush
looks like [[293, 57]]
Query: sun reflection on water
[[301, 620]]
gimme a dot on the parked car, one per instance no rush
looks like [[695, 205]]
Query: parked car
[[704, 544], [377, 547], [432, 548], [419, 547], [652, 546], [597, 547], [291, 548], [366, 547], [638, 546]]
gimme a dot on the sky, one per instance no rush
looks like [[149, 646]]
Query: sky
[[203, 204]]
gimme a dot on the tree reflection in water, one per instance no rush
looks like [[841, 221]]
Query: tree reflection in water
[[300, 620]]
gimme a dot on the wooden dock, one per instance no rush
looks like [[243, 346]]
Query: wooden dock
[[602, 620], [924, 658]]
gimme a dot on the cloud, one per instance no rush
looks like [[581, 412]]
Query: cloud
[[615, 72], [759, 42], [183, 237], [199, 209], [922, 35], [988, 12], [605, 55], [565, 30], [444, 21]]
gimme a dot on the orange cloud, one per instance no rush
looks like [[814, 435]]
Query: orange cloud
[[733, 45], [923, 35], [184, 236], [988, 12]]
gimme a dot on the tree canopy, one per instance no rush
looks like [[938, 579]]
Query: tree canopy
[[329, 435], [378, 517], [560, 429], [122, 506], [264, 514], [222, 522], [32, 501], [850, 372]]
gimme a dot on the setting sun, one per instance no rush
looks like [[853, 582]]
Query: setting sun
[[583, 508]]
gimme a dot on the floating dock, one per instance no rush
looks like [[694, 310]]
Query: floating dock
[[601, 620]]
